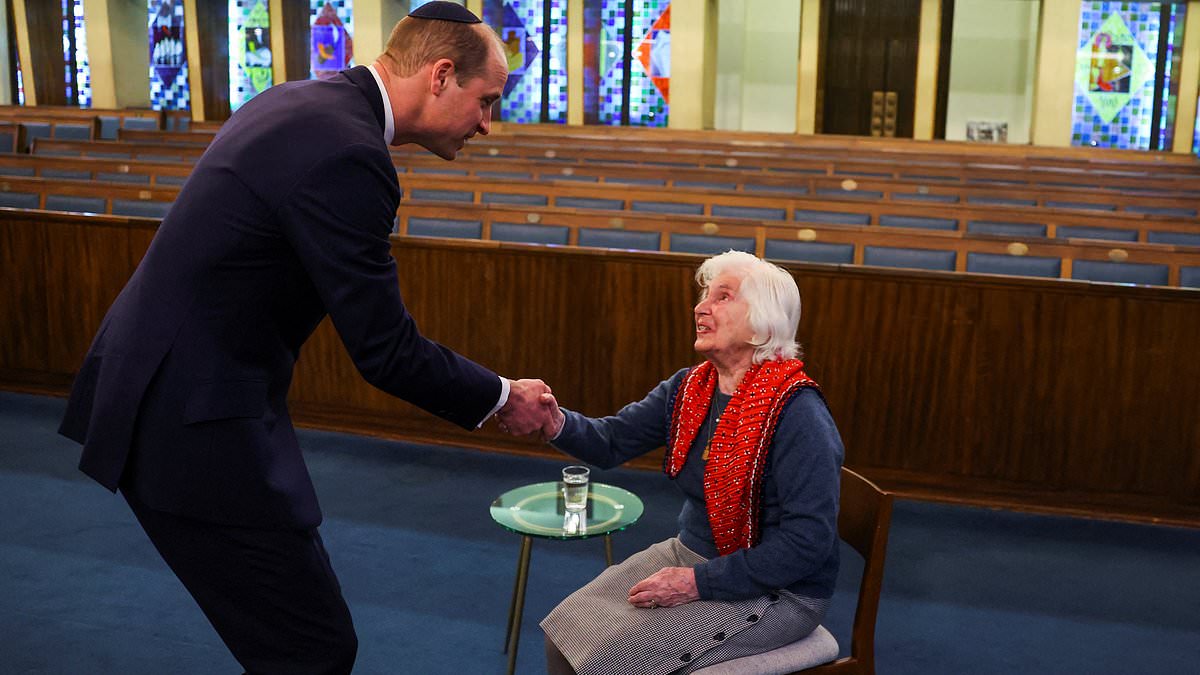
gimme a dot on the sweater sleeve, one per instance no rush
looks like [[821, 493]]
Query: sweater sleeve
[[635, 430], [805, 465]]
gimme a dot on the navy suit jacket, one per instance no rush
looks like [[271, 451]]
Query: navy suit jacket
[[182, 397]]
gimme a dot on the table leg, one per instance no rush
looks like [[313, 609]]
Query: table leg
[[608, 550], [517, 606]]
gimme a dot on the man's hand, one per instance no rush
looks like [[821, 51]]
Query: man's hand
[[667, 587], [525, 413]]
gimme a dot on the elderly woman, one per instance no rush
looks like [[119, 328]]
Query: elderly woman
[[756, 454]]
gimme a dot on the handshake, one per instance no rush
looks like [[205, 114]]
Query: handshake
[[531, 408]]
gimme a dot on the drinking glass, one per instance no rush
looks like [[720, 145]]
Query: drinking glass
[[575, 487]]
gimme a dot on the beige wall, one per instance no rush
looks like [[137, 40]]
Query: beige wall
[[757, 68], [992, 59]]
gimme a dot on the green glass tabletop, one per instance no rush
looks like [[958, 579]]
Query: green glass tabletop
[[538, 510]]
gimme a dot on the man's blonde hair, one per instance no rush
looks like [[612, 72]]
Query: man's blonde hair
[[416, 42]]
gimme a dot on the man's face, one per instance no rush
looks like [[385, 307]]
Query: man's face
[[463, 109]]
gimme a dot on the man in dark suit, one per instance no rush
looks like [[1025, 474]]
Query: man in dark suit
[[181, 402]]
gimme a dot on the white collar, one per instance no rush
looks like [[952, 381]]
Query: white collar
[[389, 123]]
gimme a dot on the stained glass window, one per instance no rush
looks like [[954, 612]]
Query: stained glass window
[[168, 56], [331, 25], [77, 74], [1127, 74], [535, 42], [83, 70], [250, 70], [627, 62]]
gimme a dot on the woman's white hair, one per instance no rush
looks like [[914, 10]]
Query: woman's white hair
[[772, 297]]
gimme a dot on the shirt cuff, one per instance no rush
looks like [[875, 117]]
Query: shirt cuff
[[499, 404]]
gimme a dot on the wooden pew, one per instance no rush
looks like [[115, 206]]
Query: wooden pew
[[1023, 393], [1117, 189], [857, 144], [873, 244], [110, 119], [860, 241]]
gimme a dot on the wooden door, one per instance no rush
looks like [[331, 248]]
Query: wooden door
[[869, 66]]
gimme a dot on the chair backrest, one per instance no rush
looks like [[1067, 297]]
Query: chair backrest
[[864, 516]]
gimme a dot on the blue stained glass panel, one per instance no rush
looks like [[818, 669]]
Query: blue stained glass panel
[[537, 57], [168, 56], [1116, 71]]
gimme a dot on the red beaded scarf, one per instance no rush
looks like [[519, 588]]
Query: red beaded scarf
[[738, 455]]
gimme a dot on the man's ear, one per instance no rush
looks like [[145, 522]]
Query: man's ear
[[440, 75]]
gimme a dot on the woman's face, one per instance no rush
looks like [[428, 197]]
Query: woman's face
[[723, 331]]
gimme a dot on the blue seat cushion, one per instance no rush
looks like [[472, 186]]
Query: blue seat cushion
[[141, 123], [809, 251], [835, 217], [911, 258], [755, 212], [439, 170], [73, 132], [710, 244], [8, 141], [111, 155], [160, 158], [1089, 232], [1189, 277], [16, 170], [445, 227], [108, 128], [1006, 229], [706, 185], [115, 177], [73, 203], [1025, 266], [530, 234], [1091, 206], [849, 194], [1121, 273], [582, 178], [669, 207], [629, 239], [653, 182], [171, 180], [142, 208], [69, 174], [923, 222], [514, 198], [589, 203], [1180, 211], [19, 200], [442, 195], [1176, 238], [777, 189], [1000, 201], [505, 175], [918, 197]]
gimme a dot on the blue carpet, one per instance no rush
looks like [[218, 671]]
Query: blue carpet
[[428, 575]]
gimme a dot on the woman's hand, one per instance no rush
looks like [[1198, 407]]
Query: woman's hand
[[551, 430], [667, 587]]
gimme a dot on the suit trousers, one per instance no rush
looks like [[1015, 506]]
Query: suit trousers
[[270, 594]]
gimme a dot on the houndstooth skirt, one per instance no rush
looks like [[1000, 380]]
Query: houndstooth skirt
[[600, 633]]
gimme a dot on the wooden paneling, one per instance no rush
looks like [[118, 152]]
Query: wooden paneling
[[297, 34], [213, 26], [1037, 394], [868, 45], [23, 337], [46, 49], [89, 266]]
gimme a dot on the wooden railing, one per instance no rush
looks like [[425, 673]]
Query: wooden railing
[[1036, 394]]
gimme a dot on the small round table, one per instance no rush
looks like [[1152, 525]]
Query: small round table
[[538, 510]]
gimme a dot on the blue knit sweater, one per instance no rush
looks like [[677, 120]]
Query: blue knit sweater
[[798, 550]]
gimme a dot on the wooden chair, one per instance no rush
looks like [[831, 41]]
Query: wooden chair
[[864, 516]]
